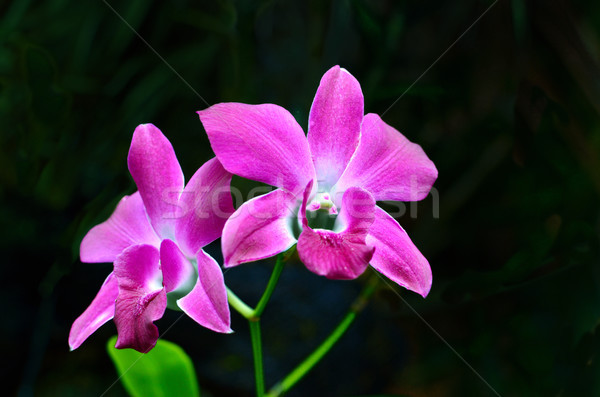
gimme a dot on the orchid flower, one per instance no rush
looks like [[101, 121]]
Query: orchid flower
[[154, 238], [328, 183]]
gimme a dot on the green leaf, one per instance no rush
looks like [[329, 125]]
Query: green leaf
[[164, 371]]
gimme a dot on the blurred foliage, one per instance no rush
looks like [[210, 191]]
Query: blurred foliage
[[510, 115], [164, 371]]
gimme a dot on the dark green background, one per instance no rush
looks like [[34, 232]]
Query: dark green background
[[509, 114]]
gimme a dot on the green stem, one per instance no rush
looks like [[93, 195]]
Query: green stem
[[239, 305], [262, 303], [253, 317], [305, 366], [257, 353]]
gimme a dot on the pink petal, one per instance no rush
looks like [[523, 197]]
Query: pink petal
[[176, 268], [340, 256], [343, 255], [142, 298], [388, 165], [207, 302], [334, 124], [358, 211], [99, 312], [260, 228], [128, 225], [158, 176], [396, 256], [206, 204], [259, 142]]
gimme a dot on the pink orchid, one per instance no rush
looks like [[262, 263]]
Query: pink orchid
[[155, 238], [328, 183]]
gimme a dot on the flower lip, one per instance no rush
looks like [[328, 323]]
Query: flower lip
[[139, 302], [341, 254]]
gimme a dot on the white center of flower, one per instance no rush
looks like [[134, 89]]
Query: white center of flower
[[190, 277], [321, 212], [323, 201]]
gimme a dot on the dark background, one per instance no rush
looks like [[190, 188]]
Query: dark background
[[509, 114]]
